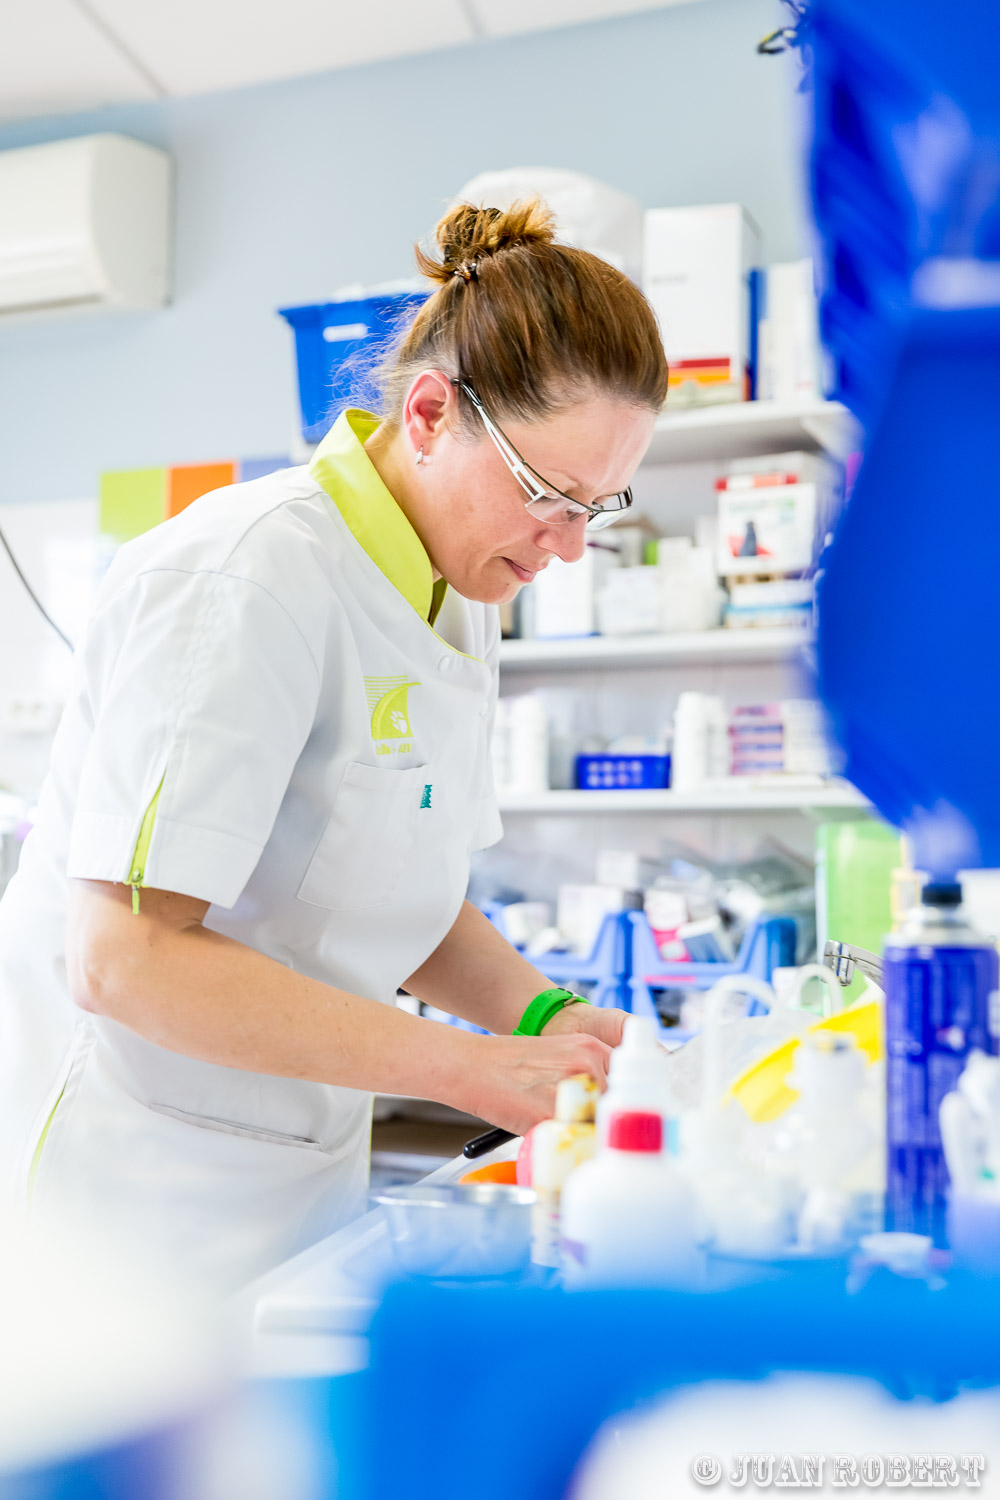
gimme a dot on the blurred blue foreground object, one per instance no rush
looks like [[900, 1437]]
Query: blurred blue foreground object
[[514, 1382], [906, 194]]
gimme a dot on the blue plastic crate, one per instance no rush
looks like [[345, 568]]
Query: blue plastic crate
[[336, 344], [610, 773], [603, 973]]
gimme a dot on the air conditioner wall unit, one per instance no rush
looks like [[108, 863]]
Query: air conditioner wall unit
[[84, 226]]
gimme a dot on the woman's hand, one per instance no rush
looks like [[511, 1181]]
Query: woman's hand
[[515, 1083], [587, 1020]]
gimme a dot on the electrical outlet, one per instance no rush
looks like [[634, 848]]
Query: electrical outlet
[[24, 714]]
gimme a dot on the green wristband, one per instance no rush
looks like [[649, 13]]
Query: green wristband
[[541, 1010]]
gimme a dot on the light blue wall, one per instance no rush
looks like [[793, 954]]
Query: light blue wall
[[287, 191]]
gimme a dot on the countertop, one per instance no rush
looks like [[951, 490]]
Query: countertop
[[309, 1316]]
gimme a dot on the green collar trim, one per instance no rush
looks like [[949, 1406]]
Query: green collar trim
[[341, 465]]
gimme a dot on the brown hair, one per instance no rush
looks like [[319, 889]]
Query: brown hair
[[531, 325]]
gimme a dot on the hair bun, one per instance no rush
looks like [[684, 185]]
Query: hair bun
[[467, 235]]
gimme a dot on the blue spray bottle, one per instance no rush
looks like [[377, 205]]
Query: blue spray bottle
[[941, 1000]]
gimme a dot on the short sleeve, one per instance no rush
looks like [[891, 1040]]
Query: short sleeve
[[202, 691], [489, 827]]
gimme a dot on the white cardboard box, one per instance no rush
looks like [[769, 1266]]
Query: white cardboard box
[[766, 529], [788, 350], [565, 594], [696, 273]]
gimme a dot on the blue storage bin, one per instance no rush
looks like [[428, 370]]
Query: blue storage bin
[[608, 773], [768, 944], [336, 343], [604, 972]]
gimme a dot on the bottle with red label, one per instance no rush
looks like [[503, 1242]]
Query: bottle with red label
[[630, 1217]]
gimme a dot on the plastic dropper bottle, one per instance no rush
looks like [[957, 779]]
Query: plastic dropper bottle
[[638, 1077], [630, 1217]]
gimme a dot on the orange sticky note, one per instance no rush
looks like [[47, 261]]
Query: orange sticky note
[[187, 482]]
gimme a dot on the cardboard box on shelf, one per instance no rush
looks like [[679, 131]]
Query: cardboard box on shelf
[[696, 273], [767, 524], [789, 353], [564, 595], [770, 603]]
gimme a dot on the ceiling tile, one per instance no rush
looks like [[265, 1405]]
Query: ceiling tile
[[54, 60], [507, 17], [195, 46]]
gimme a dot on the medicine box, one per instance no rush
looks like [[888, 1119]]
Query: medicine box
[[565, 594], [767, 524], [789, 355], [697, 268]]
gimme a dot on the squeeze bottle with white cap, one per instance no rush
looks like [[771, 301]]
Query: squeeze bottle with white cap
[[638, 1077], [630, 1217]]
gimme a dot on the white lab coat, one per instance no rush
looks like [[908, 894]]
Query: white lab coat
[[262, 718]]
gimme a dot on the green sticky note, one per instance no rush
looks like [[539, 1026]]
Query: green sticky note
[[132, 501]]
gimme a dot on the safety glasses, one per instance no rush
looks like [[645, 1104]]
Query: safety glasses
[[544, 500]]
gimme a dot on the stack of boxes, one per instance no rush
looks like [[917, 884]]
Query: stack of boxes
[[733, 331], [786, 738], [771, 513]]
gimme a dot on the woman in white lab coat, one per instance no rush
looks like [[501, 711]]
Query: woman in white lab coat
[[273, 770]]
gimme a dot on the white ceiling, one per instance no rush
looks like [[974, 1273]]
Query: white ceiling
[[58, 56]]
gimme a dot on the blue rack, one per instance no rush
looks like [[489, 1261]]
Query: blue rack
[[604, 971], [768, 944]]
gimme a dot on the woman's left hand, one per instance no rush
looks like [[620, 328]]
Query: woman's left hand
[[592, 1020]]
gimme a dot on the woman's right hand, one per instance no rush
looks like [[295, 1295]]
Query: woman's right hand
[[515, 1079]]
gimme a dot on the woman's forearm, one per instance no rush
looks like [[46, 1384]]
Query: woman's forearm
[[204, 995], [169, 979], [476, 974]]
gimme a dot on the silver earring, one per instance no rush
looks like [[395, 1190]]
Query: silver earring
[[420, 459]]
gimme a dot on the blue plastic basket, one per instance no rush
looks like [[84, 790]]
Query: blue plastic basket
[[337, 345], [768, 944], [604, 972], [609, 773]]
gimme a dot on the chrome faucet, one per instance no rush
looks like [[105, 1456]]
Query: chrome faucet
[[843, 960]]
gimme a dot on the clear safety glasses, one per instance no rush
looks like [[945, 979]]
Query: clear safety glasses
[[544, 500]]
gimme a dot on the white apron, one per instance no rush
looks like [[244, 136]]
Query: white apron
[[262, 718]]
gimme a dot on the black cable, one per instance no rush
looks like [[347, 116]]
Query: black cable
[[31, 593]]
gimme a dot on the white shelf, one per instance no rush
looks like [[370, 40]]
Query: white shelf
[[596, 651], [745, 794], [744, 429]]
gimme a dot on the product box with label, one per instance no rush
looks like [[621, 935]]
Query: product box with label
[[565, 594], [696, 273], [789, 355], [769, 511]]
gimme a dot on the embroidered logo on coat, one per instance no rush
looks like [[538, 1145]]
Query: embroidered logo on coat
[[389, 707], [425, 800]]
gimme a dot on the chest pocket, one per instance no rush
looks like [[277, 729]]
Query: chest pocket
[[370, 832]]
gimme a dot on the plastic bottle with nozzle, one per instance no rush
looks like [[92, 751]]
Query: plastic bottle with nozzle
[[823, 1141], [638, 1077], [744, 1209], [630, 1217]]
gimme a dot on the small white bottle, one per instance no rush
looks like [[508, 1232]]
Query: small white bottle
[[689, 762], [630, 1216], [701, 741], [529, 745], [638, 1077]]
